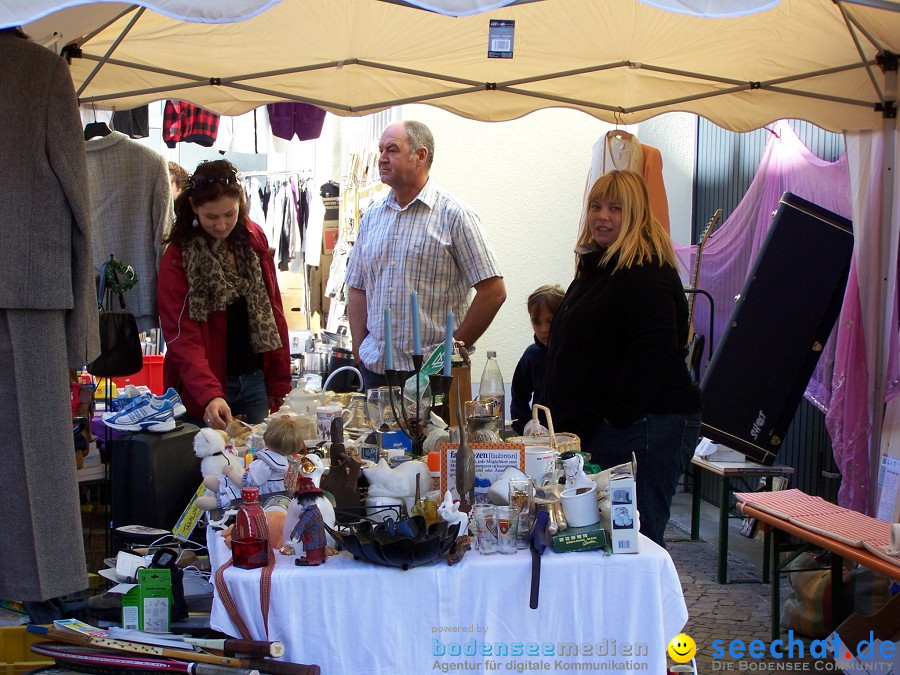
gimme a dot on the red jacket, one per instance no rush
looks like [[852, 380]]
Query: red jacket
[[195, 363]]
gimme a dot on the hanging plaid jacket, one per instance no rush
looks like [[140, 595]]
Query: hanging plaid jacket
[[190, 124]]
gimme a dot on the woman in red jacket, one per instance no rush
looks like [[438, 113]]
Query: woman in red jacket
[[219, 305]]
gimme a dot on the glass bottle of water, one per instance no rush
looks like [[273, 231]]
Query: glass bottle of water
[[491, 384]]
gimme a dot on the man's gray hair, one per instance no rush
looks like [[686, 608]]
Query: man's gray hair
[[420, 136]]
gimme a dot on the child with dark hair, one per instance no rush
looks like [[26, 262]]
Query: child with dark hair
[[528, 379]]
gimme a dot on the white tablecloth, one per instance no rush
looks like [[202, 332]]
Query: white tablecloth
[[354, 618]]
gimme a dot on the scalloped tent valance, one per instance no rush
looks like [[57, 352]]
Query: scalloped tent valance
[[618, 60]]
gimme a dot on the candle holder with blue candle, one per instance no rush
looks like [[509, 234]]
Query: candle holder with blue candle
[[411, 415], [440, 383], [421, 397]]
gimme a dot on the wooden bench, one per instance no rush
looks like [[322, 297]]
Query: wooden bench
[[781, 529]]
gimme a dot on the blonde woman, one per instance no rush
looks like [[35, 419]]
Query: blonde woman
[[616, 372]]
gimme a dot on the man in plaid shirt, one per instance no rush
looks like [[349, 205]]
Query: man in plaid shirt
[[418, 238]]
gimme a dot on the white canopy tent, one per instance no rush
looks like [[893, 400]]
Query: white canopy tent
[[623, 61], [619, 60]]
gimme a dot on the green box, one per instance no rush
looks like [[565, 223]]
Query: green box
[[587, 538], [148, 606]]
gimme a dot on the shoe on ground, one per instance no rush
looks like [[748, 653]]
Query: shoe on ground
[[153, 414]]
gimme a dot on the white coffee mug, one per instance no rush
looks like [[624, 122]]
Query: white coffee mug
[[540, 463], [324, 415]]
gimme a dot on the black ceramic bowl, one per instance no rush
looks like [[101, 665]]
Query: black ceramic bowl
[[405, 543]]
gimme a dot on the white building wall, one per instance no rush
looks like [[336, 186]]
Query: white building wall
[[525, 178]]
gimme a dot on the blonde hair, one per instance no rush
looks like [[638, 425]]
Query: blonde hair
[[284, 435], [548, 295], [642, 240]]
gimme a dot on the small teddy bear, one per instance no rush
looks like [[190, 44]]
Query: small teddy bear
[[283, 438], [210, 445]]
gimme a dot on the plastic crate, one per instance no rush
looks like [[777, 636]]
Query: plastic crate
[[15, 651], [151, 376]]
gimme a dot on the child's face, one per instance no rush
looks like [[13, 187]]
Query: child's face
[[540, 322]]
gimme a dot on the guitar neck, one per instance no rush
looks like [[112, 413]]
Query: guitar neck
[[695, 275]]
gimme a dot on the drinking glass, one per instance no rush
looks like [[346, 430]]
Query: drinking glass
[[507, 524], [521, 497], [378, 405], [485, 519]]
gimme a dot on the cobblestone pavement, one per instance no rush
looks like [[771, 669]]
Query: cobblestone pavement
[[728, 612]]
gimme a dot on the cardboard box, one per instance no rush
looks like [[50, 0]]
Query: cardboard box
[[148, 606], [330, 235], [587, 538], [623, 530]]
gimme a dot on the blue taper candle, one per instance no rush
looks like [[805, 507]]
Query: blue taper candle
[[448, 345], [414, 308]]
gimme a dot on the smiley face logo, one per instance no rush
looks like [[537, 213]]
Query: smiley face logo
[[682, 648]]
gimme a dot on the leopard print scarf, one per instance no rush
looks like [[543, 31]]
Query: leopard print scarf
[[214, 283]]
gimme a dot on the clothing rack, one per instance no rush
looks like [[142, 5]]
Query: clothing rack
[[304, 177], [303, 174]]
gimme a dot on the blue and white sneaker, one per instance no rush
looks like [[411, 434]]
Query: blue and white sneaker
[[173, 397], [152, 414], [126, 402], [134, 397]]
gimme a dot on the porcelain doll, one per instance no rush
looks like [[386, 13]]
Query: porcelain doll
[[283, 438]]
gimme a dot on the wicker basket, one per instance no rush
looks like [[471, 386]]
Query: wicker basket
[[561, 442]]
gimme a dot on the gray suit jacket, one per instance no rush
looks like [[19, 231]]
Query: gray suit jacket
[[45, 256], [131, 205]]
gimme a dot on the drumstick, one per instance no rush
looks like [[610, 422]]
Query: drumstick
[[136, 647], [266, 665], [232, 646], [100, 657]]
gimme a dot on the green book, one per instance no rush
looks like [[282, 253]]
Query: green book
[[585, 538]]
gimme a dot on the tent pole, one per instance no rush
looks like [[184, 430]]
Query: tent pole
[[111, 49], [888, 272], [849, 23]]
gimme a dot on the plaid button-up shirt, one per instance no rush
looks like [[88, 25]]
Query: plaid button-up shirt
[[436, 246]]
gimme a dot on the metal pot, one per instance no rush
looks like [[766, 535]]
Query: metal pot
[[316, 362]]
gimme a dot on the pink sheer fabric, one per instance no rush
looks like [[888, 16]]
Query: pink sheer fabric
[[787, 165], [847, 417], [867, 331]]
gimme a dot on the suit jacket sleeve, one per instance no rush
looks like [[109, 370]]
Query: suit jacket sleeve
[[161, 208], [67, 158]]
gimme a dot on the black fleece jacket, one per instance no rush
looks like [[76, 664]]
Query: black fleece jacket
[[617, 348], [528, 380]]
